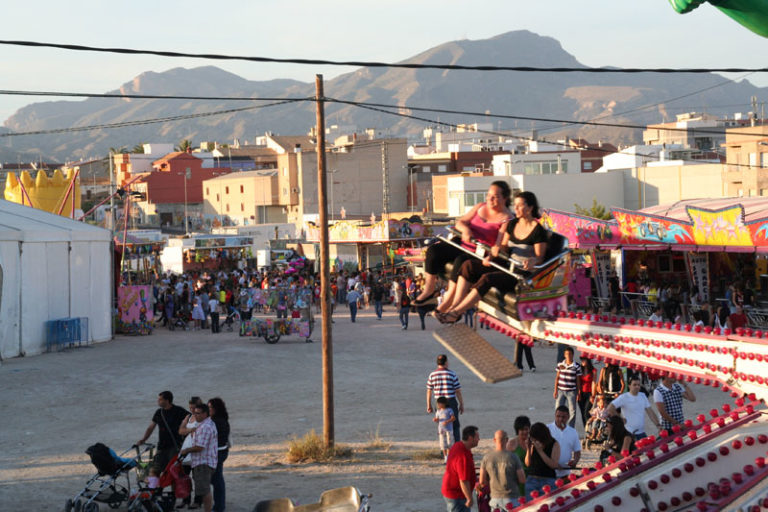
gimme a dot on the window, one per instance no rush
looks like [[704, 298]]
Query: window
[[441, 168], [227, 207], [587, 166], [425, 168], [207, 191], [241, 189], [764, 159], [242, 207], [285, 171], [226, 190], [753, 159], [218, 197]]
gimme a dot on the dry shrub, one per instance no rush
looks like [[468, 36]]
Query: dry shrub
[[428, 455], [311, 448]]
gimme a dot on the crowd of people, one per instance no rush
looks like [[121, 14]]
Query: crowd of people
[[613, 409], [200, 439]]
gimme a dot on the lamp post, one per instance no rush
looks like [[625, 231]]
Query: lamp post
[[187, 175]]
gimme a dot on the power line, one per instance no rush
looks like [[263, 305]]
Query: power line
[[140, 96], [374, 64], [143, 121]]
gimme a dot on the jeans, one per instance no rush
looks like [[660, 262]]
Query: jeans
[[217, 481], [379, 308], [567, 397], [452, 505], [404, 316], [353, 310], [585, 407], [215, 322], [536, 483]]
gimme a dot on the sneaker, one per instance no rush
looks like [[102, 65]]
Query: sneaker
[[533, 369]]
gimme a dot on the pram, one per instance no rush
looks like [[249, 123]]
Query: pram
[[112, 483], [158, 499], [181, 318], [233, 315]]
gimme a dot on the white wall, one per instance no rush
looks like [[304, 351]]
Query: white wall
[[10, 324]]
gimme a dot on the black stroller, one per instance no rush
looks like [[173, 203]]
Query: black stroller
[[114, 478]]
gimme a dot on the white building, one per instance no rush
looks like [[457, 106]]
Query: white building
[[537, 163]]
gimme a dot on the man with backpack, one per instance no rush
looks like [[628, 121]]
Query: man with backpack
[[167, 418]]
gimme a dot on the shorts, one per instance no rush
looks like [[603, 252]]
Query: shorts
[[201, 475], [445, 439]]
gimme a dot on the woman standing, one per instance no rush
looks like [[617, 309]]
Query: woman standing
[[519, 444], [611, 383], [220, 418], [588, 388], [482, 223], [542, 458]]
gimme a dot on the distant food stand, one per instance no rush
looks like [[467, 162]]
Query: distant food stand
[[207, 252], [138, 261], [707, 244], [372, 245]]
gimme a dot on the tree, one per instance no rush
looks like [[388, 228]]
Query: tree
[[138, 148], [118, 151], [185, 145], [597, 211]]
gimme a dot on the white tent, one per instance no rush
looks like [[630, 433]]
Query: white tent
[[51, 267]]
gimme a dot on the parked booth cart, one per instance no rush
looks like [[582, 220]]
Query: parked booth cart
[[702, 246]]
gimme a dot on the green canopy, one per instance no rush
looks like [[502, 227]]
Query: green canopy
[[753, 14]]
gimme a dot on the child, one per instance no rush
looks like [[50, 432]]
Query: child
[[598, 416], [444, 418], [153, 480]]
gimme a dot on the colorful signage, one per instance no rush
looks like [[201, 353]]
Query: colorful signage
[[383, 231], [134, 309]]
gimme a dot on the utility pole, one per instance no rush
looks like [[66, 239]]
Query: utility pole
[[325, 288], [187, 175], [111, 224], [385, 180]]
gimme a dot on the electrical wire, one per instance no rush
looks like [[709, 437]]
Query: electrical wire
[[373, 64], [139, 96], [141, 122]]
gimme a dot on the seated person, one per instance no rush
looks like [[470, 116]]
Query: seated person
[[597, 417], [527, 240], [619, 439], [482, 223], [737, 318]]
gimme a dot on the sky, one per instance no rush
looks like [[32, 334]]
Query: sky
[[623, 33]]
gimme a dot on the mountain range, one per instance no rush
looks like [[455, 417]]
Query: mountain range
[[635, 99]]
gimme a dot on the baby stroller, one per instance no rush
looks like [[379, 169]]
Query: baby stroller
[[111, 484], [181, 318], [158, 499], [594, 434], [233, 315]]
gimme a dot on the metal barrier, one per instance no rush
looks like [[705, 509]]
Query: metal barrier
[[758, 318], [65, 332], [642, 308]]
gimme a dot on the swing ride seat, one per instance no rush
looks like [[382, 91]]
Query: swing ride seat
[[542, 292]]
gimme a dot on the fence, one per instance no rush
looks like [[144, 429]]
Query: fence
[[65, 332]]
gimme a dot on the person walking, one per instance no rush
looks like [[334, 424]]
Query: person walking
[[444, 382], [405, 309], [568, 439], [459, 478], [377, 294], [567, 382], [503, 472], [353, 296], [213, 304], [669, 401], [634, 405]]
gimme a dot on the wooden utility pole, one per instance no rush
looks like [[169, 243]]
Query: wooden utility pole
[[325, 284]]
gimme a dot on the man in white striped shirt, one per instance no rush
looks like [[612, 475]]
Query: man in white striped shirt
[[444, 382], [567, 382]]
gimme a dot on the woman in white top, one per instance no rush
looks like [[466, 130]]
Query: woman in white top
[[187, 428]]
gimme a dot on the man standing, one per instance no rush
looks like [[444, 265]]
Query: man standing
[[568, 438], [567, 383], [669, 401], [378, 298], [204, 454], [503, 472], [168, 419], [353, 296], [213, 304], [445, 382], [633, 405], [459, 477]]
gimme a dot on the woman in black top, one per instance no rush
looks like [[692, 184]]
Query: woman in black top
[[523, 236], [220, 418], [542, 458], [619, 439], [611, 382]]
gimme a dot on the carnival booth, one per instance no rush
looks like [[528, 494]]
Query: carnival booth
[[137, 258], [372, 245], [706, 245], [208, 252], [51, 268]]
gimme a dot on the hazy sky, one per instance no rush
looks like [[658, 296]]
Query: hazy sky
[[625, 33]]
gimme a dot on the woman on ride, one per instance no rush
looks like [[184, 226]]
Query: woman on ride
[[525, 238], [482, 223]]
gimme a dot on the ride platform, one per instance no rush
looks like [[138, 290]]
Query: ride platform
[[465, 344]]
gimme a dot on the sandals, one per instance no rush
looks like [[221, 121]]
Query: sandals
[[450, 317], [430, 299]]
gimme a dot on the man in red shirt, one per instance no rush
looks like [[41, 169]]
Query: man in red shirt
[[459, 478]]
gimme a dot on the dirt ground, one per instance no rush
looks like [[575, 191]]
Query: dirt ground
[[56, 405]]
